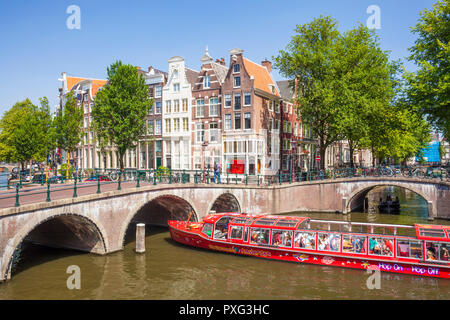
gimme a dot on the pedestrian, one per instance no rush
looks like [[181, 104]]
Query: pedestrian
[[217, 169]]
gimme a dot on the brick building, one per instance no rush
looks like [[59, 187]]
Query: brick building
[[207, 113]]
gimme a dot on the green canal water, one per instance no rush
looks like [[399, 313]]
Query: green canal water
[[171, 271]]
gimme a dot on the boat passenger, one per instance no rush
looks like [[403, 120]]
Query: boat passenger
[[220, 233], [445, 254]]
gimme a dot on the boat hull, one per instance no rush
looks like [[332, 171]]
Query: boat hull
[[196, 239]]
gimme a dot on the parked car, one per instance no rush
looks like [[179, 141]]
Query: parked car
[[56, 179], [38, 178], [102, 178]]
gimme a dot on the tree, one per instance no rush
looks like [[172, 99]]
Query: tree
[[429, 86], [120, 109], [311, 58], [25, 132], [68, 123]]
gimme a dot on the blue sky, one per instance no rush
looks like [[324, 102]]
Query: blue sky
[[36, 45]]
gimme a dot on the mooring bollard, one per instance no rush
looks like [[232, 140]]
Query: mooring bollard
[[140, 238]]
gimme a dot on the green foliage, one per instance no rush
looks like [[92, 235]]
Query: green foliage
[[121, 108], [69, 125], [63, 170], [429, 86], [162, 171], [26, 132]]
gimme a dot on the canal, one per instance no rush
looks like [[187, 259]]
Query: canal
[[171, 271]]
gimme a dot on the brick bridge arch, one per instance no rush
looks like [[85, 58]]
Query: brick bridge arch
[[356, 197], [80, 226]]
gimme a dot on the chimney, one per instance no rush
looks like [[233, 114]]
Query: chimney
[[222, 61], [266, 63]]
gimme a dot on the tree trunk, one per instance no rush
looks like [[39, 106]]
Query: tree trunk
[[373, 157], [350, 143], [121, 164], [322, 151]]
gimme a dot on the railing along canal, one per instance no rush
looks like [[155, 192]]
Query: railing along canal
[[100, 180]]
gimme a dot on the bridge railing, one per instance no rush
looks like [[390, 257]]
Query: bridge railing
[[102, 180]]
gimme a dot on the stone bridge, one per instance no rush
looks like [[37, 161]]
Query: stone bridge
[[98, 223]]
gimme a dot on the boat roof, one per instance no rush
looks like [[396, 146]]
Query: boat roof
[[259, 220], [432, 232]]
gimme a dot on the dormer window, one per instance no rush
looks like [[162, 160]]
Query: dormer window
[[175, 73], [206, 81], [236, 68]]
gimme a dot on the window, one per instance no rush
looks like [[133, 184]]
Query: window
[[158, 126], [259, 235], [86, 97], [282, 238], [206, 81], [167, 125], [176, 125], [228, 122], [277, 107], [176, 105], [381, 246], [207, 229], [200, 132], [149, 126], [214, 107], [200, 108], [158, 91], [247, 98], [86, 108], [236, 68], [237, 101], [409, 249], [270, 105], [247, 120], [185, 105], [354, 244], [176, 87], [213, 132], [185, 124], [305, 240], [329, 242], [236, 232], [227, 100], [221, 228], [86, 122], [237, 121], [158, 107], [168, 106], [437, 251], [237, 82], [150, 92]]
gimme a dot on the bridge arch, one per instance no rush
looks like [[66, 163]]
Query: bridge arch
[[226, 202], [168, 206], [85, 234], [356, 197]]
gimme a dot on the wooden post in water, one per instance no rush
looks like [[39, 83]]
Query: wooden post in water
[[140, 238]]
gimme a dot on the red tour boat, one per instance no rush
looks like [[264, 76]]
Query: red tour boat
[[417, 250]]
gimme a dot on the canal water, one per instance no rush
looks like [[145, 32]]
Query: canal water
[[172, 271]]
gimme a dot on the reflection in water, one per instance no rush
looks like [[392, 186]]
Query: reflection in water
[[169, 270]]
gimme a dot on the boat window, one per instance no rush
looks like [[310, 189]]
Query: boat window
[[236, 232], [286, 223], [207, 229], [305, 239], [282, 238], [381, 246], [354, 244], [433, 233], [409, 249], [246, 235], [265, 221], [221, 228], [250, 221], [259, 236], [240, 220], [329, 241], [437, 251]]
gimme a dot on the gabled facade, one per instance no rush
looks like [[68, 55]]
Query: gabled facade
[[88, 155], [251, 117], [150, 146], [176, 115], [207, 113]]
